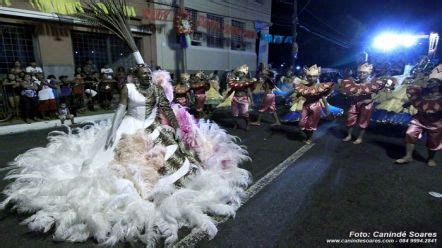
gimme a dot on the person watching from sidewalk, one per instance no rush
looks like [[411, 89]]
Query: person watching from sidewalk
[[65, 90], [55, 86], [29, 99], [33, 69], [17, 70], [64, 114], [46, 98], [11, 87]]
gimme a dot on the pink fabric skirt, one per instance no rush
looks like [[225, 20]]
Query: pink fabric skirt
[[268, 104], [431, 125], [310, 116], [359, 114], [240, 106]]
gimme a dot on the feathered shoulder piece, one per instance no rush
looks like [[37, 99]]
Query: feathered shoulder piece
[[162, 78], [351, 88], [321, 89], [241, 84], [423, 105]]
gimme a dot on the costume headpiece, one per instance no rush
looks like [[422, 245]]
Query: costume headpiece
[[112, 15], [185, 76], [313, 70], [243, 68], [366, 67], [436, 72], [200, 75]]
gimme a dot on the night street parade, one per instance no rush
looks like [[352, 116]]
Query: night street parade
[[217, 123]]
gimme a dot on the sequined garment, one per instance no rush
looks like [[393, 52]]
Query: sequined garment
[[155, 97], [352, 88]]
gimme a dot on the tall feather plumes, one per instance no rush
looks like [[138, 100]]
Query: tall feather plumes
[[111, 15]]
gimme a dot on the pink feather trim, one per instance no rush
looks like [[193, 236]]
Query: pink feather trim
[[162, 78], [188, 126]]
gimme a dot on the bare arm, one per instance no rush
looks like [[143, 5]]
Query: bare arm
[[327, 107], [249, 94], [7, 82], [118, 117]]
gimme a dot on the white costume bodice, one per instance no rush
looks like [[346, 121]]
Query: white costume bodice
[[136, 103]]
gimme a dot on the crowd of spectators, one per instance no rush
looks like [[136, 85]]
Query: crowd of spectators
[[32, 96]]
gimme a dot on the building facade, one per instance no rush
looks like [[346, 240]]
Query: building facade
[[224, 36]]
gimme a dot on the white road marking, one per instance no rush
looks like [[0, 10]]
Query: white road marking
[[193, 238]]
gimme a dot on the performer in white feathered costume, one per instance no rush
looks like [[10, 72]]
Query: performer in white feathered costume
[[160, 172]]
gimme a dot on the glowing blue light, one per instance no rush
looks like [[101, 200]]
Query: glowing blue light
[[391, 41], [298, 67]]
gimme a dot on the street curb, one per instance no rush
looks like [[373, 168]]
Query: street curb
[[19, 128]]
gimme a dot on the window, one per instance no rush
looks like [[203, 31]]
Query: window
[[197, 36], [215, 37], [15, 44], [101, 49], [237, 40]]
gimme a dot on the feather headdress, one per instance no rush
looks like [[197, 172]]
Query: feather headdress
[[112, 15]]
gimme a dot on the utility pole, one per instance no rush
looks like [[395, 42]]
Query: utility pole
[[183, 49], [295, 33]]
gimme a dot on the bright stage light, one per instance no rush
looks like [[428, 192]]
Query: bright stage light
[[407, 40], [391, 41]]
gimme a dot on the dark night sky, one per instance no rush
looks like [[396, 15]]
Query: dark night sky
[[353, 23]]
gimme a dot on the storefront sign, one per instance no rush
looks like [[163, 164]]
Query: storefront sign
[[72, 7], [157, 14], [277, 39], [204, 22]]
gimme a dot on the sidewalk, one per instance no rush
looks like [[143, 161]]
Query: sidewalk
[[18, 128]]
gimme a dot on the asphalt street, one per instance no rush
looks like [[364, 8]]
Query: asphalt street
[[331, 190]]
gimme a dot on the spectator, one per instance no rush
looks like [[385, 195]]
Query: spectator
[[17, 69], [77, 94], [107, 71], [21, 75], [64, 113], [90, 91], [11, 87], [89, 69], [105, 92], [33, 69], [121, 77], [55, 86], [65, 90], [78, 70], [215, 76], [29, 99], [47, 104], [38, 78]]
